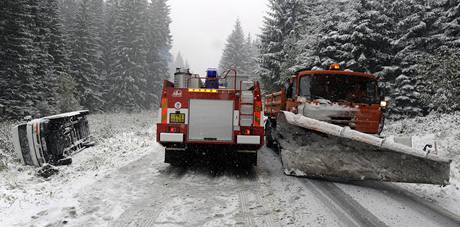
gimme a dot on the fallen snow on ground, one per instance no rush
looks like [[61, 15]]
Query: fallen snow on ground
[[121, 139], [123, 180], [445, 128]]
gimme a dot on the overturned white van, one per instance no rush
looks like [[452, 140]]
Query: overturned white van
[[51, 139]]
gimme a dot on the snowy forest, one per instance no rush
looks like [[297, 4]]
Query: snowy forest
[[240, 52], [412, 45], [63, 55], [112, 55]]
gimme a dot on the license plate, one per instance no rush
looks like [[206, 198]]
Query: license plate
[[178, 118]]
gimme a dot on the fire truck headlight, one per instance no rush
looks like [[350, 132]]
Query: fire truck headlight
[[383, 104]]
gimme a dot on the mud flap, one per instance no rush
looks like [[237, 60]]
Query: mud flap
[[318, 149]]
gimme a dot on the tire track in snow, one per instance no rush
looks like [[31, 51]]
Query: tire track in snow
[[423, 206], [250, 194], [348, 210], [268, 217], [146, 212], [343, 205], [247, 216]]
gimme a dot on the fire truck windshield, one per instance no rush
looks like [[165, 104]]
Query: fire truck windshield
[[336, 88]]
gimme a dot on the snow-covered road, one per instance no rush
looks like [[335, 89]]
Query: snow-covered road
[[263, 196], [149, 193], [135, 188]]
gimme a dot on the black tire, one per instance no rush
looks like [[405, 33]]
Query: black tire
[[247, 159], [268, 134], [176, 157], [381, 125]]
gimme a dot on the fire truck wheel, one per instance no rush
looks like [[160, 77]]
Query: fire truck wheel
[[175, 157], [247, 159]]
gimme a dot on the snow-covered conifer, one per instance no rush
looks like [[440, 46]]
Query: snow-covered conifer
[[128, 75], [84, 57], [235, 54], [18, 84], [158, 44]]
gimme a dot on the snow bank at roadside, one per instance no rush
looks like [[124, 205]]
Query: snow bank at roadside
[[6, 146], [121, 139], [445, 128]]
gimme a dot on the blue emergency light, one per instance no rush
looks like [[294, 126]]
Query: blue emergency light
[[211, 72], [211, 79]]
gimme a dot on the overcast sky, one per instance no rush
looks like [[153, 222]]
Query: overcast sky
[[200, 27]]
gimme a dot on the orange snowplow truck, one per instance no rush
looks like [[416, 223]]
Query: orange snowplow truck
[[342, 98], [210, 115]]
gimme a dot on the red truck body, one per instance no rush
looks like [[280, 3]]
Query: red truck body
[[199, 117]]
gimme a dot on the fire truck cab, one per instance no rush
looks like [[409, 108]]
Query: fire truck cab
[[210, 115]]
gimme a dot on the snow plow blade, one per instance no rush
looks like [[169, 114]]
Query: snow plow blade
[[317, 149]]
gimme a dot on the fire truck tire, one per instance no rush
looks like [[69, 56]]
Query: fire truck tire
[[247, 159], [176, 157]]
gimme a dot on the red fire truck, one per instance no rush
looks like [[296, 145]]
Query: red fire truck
[[210, 115]]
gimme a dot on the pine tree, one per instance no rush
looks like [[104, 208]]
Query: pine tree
[[68, 10], [17, 69], [281, 30], [57, 48], [417, 40], [84, 58], [98, 11], [406, 98], [372, 36], [451, 22], [3, 82], [108, 57], [163, 21], [158, 42], [337, 47], [294, 26], [235, 52], [327, 37], [252, 53], [44, 16], [271, 47], [67, 100], [179, 62], [442, 78], [129, 71]]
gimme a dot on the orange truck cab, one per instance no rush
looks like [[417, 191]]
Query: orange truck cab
[[343, 98]]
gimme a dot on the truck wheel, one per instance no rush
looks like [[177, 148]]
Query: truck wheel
[[381, 125], [268, 134], [176, 157], [247, 159]]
